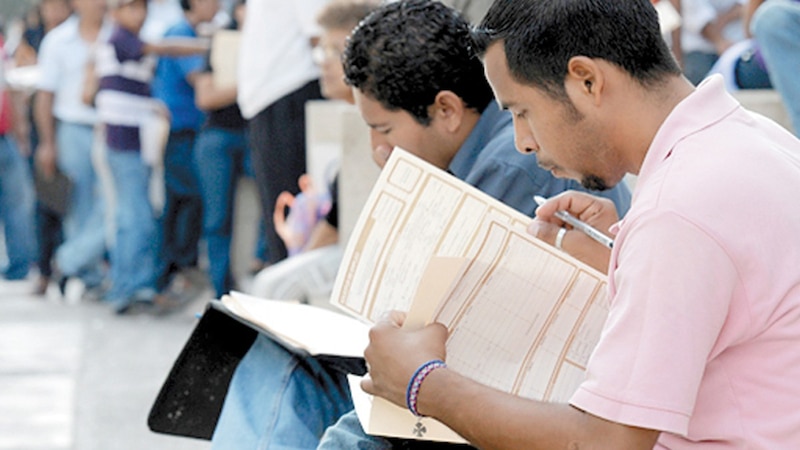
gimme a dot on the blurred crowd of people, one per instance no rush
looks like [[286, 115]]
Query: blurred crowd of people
[[120, 149]]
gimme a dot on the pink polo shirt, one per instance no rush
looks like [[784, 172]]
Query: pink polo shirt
[[703, 337]]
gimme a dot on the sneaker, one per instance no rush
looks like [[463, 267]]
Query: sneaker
[[40, 286], [166, 304]]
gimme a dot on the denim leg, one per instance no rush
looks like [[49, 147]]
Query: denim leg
[[133, 256], [180, 228], [217, 155], [776, 26], [278, 400], [84, 247], [347, 434], [697, 64], [16, 210], [49, 236], [261, 251]]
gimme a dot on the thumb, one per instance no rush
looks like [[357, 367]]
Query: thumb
[[367, 385]]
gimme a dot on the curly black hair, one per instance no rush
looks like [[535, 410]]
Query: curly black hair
[[540, 37], [406, 52]]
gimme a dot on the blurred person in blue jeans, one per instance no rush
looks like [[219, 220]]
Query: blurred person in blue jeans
[[16, 209], [16, 196], [66, 139], [173, 84], [221, 156], [47, 221], [776, 27], [124, 66]]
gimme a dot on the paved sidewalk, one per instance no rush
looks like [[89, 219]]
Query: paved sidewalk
[[73, 376]]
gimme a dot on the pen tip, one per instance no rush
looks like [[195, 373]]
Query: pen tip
[[539, 199]]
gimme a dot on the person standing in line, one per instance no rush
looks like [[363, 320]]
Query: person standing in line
[[48, 222], [124, 67], [66, 138], [173, 84], [16, 191], [311, 273], [277, 75], [222, 157]]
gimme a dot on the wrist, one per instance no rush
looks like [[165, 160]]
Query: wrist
[[416, 380]]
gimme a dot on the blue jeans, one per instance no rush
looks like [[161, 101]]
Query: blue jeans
[[347, 433], [697, 64], [776, 26], [278, 400], [84, 247], [221, 157], [183, 208], [133, 258], [16, 210]]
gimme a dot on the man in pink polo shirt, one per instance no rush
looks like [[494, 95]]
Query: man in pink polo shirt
[[701, 349]]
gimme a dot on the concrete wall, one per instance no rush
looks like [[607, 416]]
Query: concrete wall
[[767, 102]]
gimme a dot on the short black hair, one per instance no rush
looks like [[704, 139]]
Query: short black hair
[[406, 52], [541, 36]]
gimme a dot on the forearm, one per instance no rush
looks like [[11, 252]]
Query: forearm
[[178, 47], [209, 98], [490, 419], [713, 33], [750, 9], [43, 116]]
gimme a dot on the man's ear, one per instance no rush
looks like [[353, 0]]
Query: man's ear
[[448, 108], [585, 79]]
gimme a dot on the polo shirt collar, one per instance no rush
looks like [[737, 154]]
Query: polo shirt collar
[[707, 105]]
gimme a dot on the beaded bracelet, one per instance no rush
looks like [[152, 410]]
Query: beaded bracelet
[[412, 392]]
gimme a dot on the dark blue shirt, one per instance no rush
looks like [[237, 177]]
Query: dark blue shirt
[[170, 84], [489, 161]]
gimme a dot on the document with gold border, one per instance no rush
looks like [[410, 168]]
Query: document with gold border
[[523, 316]]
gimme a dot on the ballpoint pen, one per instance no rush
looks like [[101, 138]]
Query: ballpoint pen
[[578, 224]]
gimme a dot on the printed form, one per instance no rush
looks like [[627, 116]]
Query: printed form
[[523, 316]]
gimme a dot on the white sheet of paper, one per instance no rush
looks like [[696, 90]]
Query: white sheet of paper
[[317, 330]]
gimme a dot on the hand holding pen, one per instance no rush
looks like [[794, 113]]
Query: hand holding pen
[[578, 224], [569, 215]]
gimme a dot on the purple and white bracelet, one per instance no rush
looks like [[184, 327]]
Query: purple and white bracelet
[[412, 392]]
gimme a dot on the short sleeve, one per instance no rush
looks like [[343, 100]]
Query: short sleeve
[[128, 47], [187, 64]]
